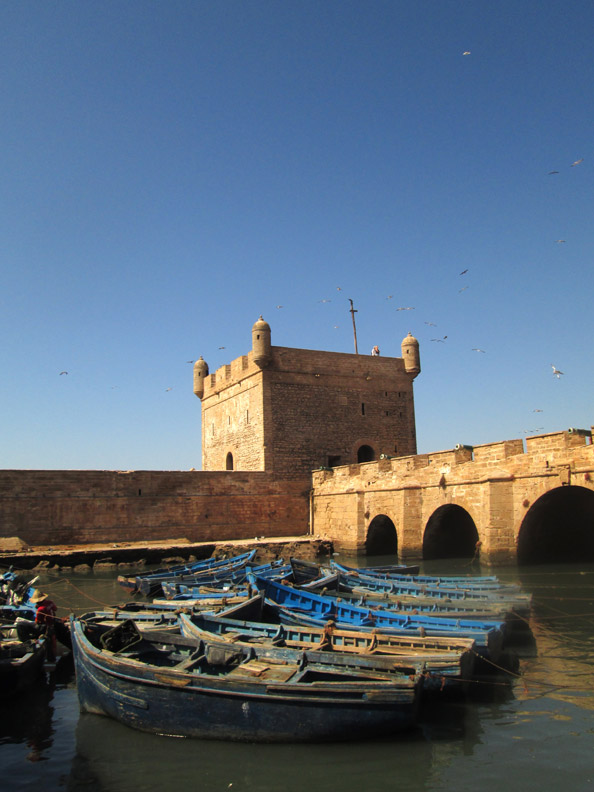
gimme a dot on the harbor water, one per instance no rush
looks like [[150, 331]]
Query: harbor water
[[535, 732]]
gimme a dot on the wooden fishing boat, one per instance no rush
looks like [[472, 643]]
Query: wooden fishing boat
[[489, 635], [21, 662], [443, 662], [169, 684], [510, 600], [133, 584], [386, 572]]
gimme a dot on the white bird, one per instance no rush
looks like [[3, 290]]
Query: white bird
[[462, 289], [556, 372], [324, 301], [431, 324], [476, 349], [558, 241], [466, 53], [168, 389], [537, 410], [577, 162], [405, 309]]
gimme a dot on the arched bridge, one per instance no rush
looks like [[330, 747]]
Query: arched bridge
[[533, 504]]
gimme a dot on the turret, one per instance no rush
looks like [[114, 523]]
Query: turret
[[200, 374], [410, 355], [261, 349]]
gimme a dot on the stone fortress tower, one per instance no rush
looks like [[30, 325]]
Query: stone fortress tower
[[289, 411]]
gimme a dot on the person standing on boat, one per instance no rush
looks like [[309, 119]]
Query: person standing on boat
[[45, 619]]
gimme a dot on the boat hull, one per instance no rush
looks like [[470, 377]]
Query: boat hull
[[171, 702]]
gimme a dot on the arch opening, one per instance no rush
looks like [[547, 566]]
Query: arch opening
[[450, 533], [558, 528], [382, 538], [229, 461], [365, 453]]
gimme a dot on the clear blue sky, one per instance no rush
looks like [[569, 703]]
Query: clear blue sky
[[171, 170]]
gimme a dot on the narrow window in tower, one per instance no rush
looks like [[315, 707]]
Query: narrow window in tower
[[247, 416], [362, 408]]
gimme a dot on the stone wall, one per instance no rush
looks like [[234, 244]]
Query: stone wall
[[495, 483], [83, 507]]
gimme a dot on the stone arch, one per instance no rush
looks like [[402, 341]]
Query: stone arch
[[381, 538], [365, 453], [450, 533], [229, 465], [558, 528]]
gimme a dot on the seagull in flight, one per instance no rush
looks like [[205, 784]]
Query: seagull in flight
[[559, 241], [405, 309], [476, 349], [168, 389], [440, 340], [324, 301], [222, 347], [189, 361], [466, 53], [556, 372], [464, 272], [63, 372], [537, 410], [431, 324], [577, 162], [462, 289], [552, 173]]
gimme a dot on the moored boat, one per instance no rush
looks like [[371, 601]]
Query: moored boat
[[168, 684]]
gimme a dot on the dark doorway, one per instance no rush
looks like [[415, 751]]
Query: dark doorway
[[558, 528], [450, 533], [229, 461], [365, 454], [381, 537]]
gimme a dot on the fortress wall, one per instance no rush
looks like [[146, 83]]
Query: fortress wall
[[495, 483], [83, 507]]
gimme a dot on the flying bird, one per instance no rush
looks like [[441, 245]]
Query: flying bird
[[466, 53], [577, 162], [389, 297], [464, 272], [405, 309], [440, 340], [63, 372], [559, 241], [279, 306], [339, 288], [476, 349], [462, 289], [168, 389], [537, 410], [556, 372], [551, 173], [189, 361], [222, 347], [431, 324], [324, 301]]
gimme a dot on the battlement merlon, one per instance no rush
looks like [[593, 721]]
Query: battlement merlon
[[310, 366], [307, 363]]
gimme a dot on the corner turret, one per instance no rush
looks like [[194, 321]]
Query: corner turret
[[410, 355], [261, 349], [200, 374]]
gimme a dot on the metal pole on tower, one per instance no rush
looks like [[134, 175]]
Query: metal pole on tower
[[353, 311]]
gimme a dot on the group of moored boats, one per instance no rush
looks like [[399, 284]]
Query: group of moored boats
[[231, 649]]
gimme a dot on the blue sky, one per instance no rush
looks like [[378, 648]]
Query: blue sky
[[172, 170]]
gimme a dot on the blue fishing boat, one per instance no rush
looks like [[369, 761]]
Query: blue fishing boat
[[135, 585], [489, 635], [21, 661], [444, 663], [172, 685]]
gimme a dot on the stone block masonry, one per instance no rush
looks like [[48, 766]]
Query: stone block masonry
[[43, 507]]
